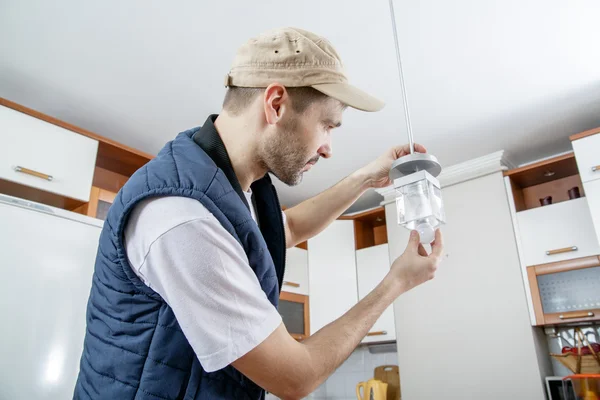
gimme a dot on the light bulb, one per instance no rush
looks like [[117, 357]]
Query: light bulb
[[419, 204], [426, 231]]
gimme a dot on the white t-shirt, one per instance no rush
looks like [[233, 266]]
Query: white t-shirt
[[181, 251]]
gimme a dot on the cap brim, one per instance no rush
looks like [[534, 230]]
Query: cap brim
[[351, 96]]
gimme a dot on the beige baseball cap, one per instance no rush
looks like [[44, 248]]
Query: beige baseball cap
[[295, 57]]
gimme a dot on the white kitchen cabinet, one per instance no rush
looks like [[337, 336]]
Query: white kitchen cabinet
[[592, 193], [47, 266], [557, 232], [587, 153], [473, 315], [331, 273], [295, 279], [372, 265], [42, 155]]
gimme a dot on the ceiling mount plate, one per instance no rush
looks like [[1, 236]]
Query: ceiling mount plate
[[415, 162]]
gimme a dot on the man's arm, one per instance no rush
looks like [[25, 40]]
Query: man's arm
[[292, 370], [310, 217]]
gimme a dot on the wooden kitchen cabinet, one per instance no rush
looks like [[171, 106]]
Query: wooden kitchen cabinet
[[332, 273], [44, 162], [52, 162], [566, 291], [100, 202], [372, 265]]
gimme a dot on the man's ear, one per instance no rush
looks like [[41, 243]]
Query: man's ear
[[276, 102]]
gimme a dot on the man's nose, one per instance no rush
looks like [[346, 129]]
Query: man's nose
[[325, 150]]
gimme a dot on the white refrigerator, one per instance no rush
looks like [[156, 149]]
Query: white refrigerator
[[46, 263]]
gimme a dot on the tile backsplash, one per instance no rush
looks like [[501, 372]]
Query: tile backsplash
[[357, 368]]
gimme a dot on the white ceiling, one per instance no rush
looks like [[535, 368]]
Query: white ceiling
[[480, 75]]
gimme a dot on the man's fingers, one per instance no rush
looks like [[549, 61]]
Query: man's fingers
[[437, 247], [419, 148], [414, 241], [405, 149], [422, 251]]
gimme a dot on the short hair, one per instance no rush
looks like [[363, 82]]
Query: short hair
[[238, 99]]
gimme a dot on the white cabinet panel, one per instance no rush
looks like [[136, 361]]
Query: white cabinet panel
[[372, 265], [476, 301], [587, 153], [558, 226], [27, 142], [332, 273], [295, 279], [592, 193], [47, 266]]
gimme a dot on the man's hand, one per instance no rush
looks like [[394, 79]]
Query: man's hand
[[415, 266], [377, 172], [292, 370]]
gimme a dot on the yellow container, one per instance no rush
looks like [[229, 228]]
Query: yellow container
[[373, 389], [582, 387]]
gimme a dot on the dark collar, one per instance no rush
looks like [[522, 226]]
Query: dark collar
[[209, 139], [264, 195]]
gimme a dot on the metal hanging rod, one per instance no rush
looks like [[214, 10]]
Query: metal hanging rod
[[411, 141]]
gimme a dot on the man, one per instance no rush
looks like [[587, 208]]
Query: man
[[192, 254]]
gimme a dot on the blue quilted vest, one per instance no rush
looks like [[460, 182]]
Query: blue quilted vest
[[134, 347]]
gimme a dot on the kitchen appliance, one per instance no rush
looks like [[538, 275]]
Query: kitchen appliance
[[554, 388], [373, 389], [418, 196], [47, 264]]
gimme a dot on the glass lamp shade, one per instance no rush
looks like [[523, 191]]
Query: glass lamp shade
[[419, 204]]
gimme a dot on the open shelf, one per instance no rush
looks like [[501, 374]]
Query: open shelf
[[552, 177], [369, 228]]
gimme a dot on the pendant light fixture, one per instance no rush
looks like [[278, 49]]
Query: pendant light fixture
[[418, 195]]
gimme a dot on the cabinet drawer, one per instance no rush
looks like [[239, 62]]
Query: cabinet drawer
[[295, 279], [557, 232], [38, 154], [587, 153]]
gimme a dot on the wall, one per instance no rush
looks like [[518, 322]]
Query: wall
[[469, 328], [357, 368]]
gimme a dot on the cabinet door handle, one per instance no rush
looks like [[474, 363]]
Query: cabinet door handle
[[595, 168], [576, 314], [560, 251], [31, 172], [377, 333], [292, 284]]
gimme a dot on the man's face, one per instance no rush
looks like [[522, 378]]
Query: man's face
[[301, 139]]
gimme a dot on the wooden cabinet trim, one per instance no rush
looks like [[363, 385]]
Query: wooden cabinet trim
[[554, 318], [562, 266], [106, 195], [567, 265], [535, 296], [587, 133]]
